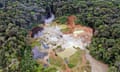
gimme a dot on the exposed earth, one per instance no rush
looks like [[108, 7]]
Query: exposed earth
[[96, 66], [79, 58]]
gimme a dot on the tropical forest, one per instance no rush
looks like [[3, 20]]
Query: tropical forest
[[59, 35]]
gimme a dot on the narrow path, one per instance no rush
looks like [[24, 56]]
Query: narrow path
[[96, 66]]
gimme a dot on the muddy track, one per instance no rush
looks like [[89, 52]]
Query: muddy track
[[96, 66]]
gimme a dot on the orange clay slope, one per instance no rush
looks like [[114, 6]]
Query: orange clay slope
[[78, 30]]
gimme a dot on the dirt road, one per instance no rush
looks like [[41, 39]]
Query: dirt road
[[96, 66]]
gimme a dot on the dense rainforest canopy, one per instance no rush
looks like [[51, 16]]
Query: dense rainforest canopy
[[18, 16]]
